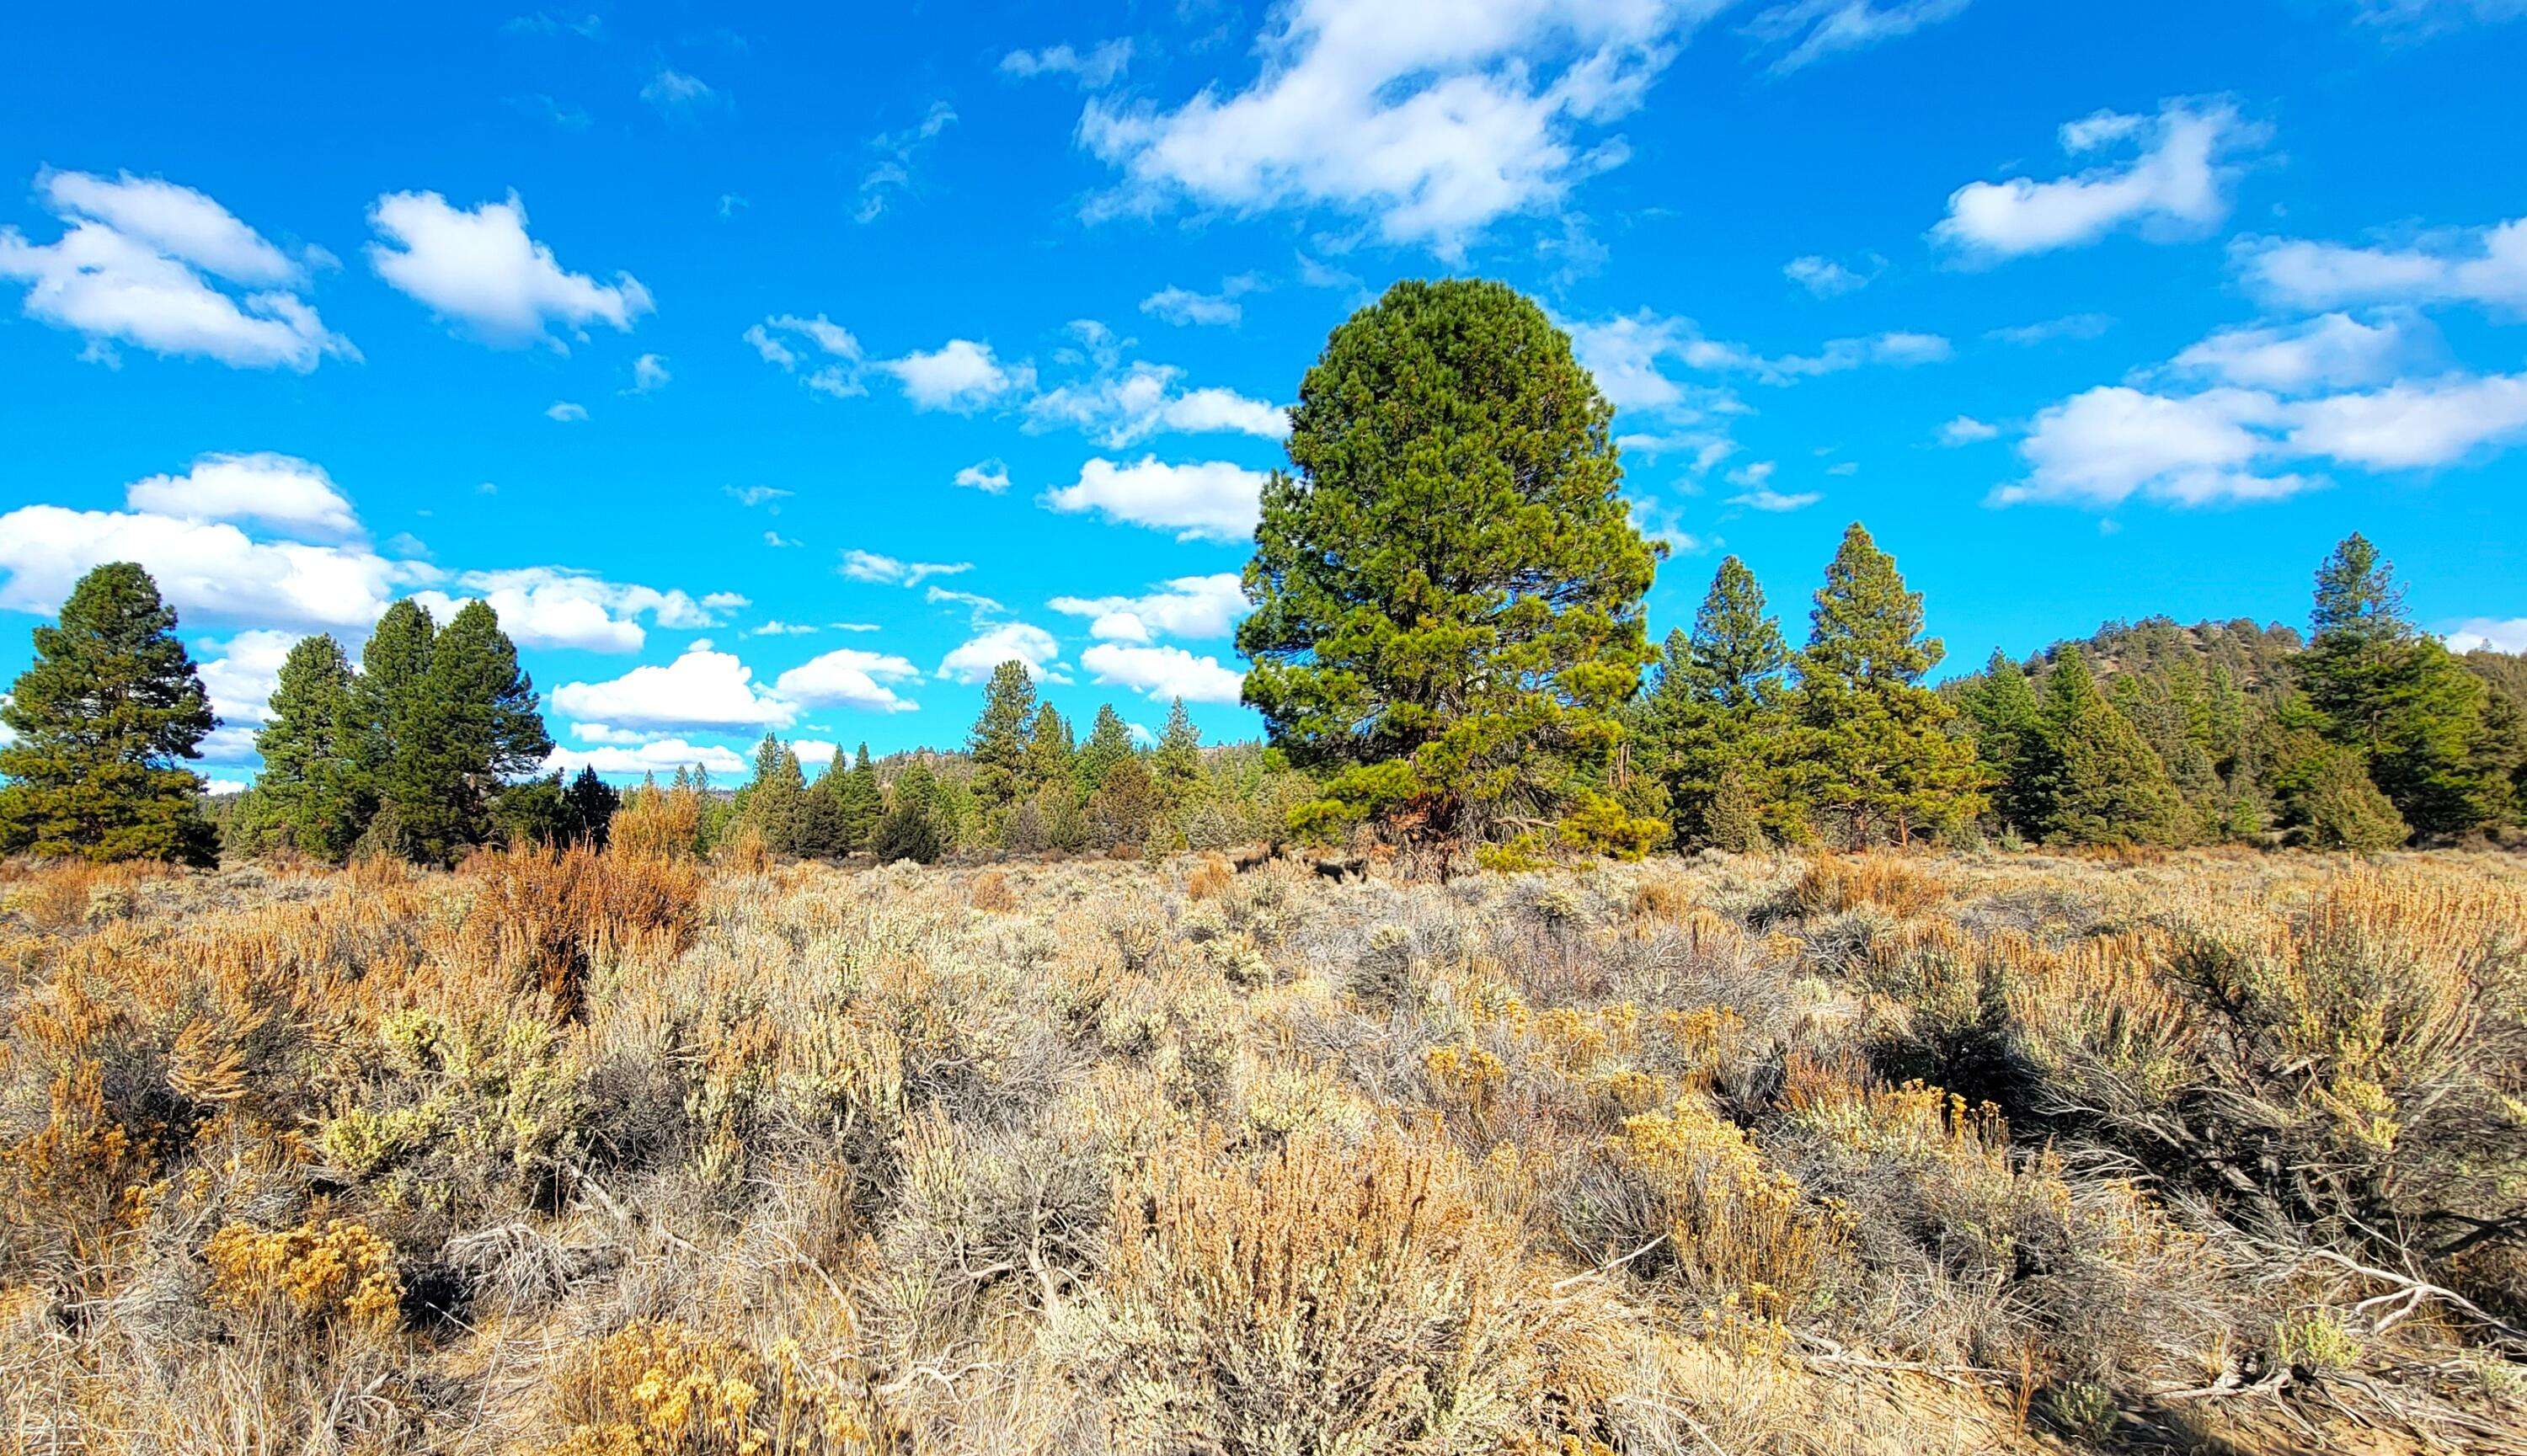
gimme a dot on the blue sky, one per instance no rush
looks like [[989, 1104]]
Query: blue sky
[[787, 367]]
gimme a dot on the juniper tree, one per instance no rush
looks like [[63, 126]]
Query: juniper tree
[[101, 718], [1871, 748], [910, 829], [1176, 764], [860, 801], [2099, 782], [772, 802], [1049, 750], [313, 794], [1447, 585], [2009, 738]]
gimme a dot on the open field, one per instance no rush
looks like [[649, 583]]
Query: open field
[[607, 1154]]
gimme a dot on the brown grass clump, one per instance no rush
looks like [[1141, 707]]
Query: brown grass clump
[[1899, 885], [1335, 1299], [1209, 879], [991, 892], [550, 913]]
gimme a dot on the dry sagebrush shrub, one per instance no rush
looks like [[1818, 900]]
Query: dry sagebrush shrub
[[548, 914], [1735, 1227], [991, 892], [1333, 1300], [1210, 878]]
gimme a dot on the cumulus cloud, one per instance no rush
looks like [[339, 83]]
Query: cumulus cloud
[[208, 571], [553, 607], [850, 678], [2174, 184], [1196, 607], [141, 262], [659, 756], [1766, 498], [565, 412], [990, 477], [1184, 306], [649, 373], [1123, 405], [481, 274], [960, 375], [2331, 351], [1210, 500], [2483, 266], [702, 689], [2489, 635], [277, 490], [240, 679], [1825, 277], [972, 661], [1966, 430], [2227, 444], [1159, 674], [888, 570], [1434, 121], [677, 94]]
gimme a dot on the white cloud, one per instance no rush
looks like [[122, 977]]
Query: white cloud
[[814, 753], [1825, 277], [674, 93], [564, 411], [990, 477], [1627, 355], [1210, 500], [279, 490], [2331, 351], [758, 496], [479, 272], [2427, 16], [1966, 430], [2489, 635], [1096, 67], [701, 690], [1811, 30], [2101, 447], [134, 265], [1766, 498], [896, 154], [1185, 607], [553, 607], [1184, 306], [208, 571], [1432, 120], [649, 373], [2484, 266], [659, 756], [240, 679], [2044, 332], [2415, 425], [888, 570], [848, 677], [1120, 406], [2175, 186], [958, 375], [1159, 674], [839, 374], [1008, 641]]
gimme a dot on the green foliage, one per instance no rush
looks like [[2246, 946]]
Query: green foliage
[[1713, 721], [861, 802], [1126, 807], [590, 804], [2009, 738], [2326, 797], [1049, 750], [448, 738], [2096, 783], [1176, 760], [910, 829], [1870, 748], [1447, 590], [312, 795], [110, 704], [775, 801], [998, 741], [2399, 699], [1109, 743]]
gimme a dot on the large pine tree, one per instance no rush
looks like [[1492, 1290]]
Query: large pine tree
[[2009, 738], [998, 741], [2399, 698], [1712, 718], [1872, 755], [101, 718], [1448, 587], [312, 794], [1109, 743]]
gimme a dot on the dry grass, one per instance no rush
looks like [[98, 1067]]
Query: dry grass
[[620, 1152]]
